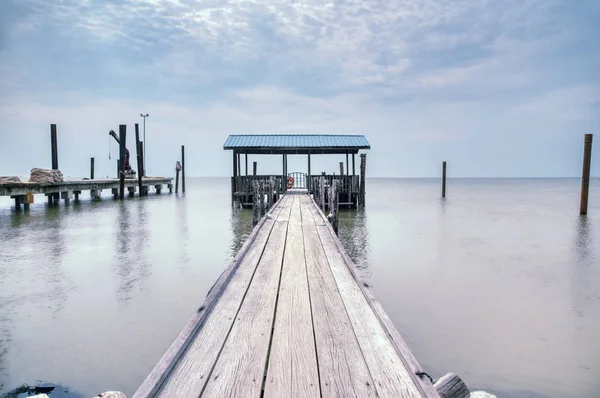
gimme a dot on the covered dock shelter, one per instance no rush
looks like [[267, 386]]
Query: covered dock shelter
[[351, 185]]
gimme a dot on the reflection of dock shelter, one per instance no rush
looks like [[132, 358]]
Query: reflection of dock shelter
[[350, 184]]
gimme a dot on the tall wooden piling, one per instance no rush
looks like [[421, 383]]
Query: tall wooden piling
[[143, 164], [334, 205], [92, 161], [183, 168], [256, 203], [177, 170], [363, 175], [54, 146], [123, 139], [585, 176], [140, 165], [443, 179], [322, 192], [254, 168]]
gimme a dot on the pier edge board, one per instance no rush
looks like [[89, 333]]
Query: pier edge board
[[407, 357], [160, 372]]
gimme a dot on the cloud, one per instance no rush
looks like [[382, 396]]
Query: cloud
[[421, 70]]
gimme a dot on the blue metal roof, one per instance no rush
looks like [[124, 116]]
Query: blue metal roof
[[297, 141]]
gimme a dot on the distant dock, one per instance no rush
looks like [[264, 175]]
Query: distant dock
[[22, 192]]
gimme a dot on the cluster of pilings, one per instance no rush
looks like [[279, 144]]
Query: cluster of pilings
[[265, 197]]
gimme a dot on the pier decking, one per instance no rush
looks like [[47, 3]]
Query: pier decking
[[289, 318], [66, 189]]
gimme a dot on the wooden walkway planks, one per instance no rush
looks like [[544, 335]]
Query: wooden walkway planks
[[292, 368], [190, 375], [293, 320]]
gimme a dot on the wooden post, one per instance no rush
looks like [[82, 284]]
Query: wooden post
[[233, 178], [183, 169], [255, 204], [246, 163], [334, 206], [443, 179], [92, 160], [322, 192], [451, 386], [254, 168], [122, 138], [308, 181], [585, 176], [347, 165], [177, 180], [341, 168], [140, 163], [118, 168], [143, 159], [261, 192], [283, 175], [353, 165], [363, 175], [239, 163], [54, 146]]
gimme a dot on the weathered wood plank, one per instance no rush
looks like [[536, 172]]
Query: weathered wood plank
[[387, 369], [285, 214], [188, 361], [240, 369], [292, 366], [306, 210], [342, 368], [426, 388]]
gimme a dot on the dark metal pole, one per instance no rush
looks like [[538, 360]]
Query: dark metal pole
[[92, 160], [122, 146], [140, 163], [585, 177], [443, 179], [183, 168]]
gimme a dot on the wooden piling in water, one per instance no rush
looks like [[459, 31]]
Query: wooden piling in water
[[363, 175], [334, 205], [261, 192], [122, 146], [143, 174], [92, 161], [585, 175], [177, 179], [183, 169], [443, 179], [140, 165], [54, 146], [255, 204]]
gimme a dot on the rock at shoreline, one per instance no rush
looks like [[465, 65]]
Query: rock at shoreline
[[112, 394]]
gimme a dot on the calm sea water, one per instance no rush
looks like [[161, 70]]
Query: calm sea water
[[499, 283]]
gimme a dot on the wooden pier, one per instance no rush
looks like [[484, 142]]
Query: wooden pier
[[289, 318], [67, 190]]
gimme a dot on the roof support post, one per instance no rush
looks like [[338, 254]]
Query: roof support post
[[347, 165], [308, 179], [246, 162], [353, 164], [233, 178]]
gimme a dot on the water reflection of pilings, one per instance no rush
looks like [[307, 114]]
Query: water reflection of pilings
[[131, 242], [354, 235], [585, 266], [182, 228], [241, 228]]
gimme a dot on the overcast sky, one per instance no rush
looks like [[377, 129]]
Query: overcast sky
[[495, 87]]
